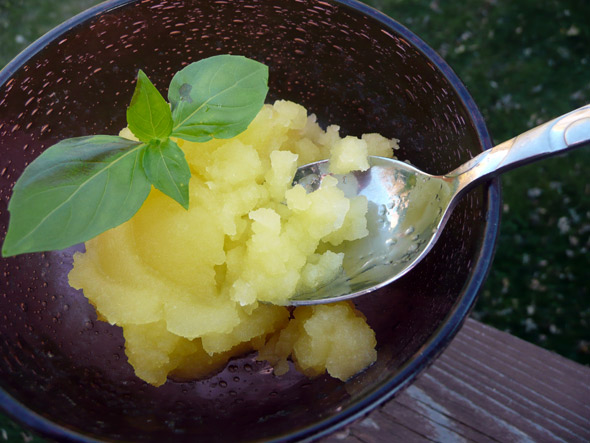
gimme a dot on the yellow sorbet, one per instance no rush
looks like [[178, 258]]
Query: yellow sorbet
[[193, 288]]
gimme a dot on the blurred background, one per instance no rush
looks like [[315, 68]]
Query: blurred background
[[524, 62]]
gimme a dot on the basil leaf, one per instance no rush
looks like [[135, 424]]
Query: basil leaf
[[167, 169], [217, 97], [73, 191], [148, 115]]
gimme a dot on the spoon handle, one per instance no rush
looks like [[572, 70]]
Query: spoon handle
[[569, 131]]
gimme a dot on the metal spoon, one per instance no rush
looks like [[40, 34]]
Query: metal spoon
[[409, 208]]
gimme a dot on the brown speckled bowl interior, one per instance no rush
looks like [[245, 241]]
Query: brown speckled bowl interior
[[65, 373]]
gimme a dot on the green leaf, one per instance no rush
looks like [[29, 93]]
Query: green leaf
[[167, 169], [148, 115], [217, 97], [75, 190], [83, 186]]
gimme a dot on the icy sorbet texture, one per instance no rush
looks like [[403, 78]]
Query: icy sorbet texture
[[192, 289]]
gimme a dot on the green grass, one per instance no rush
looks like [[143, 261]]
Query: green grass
[[524, 62]]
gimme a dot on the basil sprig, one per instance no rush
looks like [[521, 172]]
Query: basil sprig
[[83, 186]]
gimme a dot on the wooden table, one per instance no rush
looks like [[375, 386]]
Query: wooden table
[[487, 386]]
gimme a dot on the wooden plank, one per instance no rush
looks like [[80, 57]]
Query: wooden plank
[[431, 416], [552, 373], [377, 428], [488, 386]]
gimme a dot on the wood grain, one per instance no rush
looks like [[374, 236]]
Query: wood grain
[[488, 386]]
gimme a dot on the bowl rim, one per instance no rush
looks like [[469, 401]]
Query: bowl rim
[[440, 338]]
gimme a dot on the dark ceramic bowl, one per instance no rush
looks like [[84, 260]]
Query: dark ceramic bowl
[[65, 374]]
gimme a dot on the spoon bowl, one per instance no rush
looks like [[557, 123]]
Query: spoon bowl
[[408, 208]]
